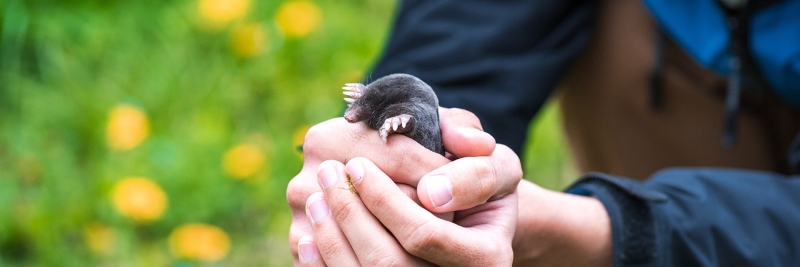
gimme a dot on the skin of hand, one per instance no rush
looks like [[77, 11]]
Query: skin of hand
[[553, 228], [382, 226], [400, 158], [559, 229]]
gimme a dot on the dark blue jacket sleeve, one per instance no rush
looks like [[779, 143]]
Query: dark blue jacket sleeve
[[498, 59], [701, 217]]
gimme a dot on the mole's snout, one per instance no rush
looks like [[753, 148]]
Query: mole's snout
[[351, 115]]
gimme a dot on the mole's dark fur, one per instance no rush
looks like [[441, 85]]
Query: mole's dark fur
[[397, 103]]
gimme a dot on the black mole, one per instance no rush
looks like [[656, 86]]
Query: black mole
[[397, 103]]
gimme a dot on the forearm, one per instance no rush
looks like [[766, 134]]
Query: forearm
[[558, 229], [687, 217]]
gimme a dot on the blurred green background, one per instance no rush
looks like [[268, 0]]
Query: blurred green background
[[164, 133]]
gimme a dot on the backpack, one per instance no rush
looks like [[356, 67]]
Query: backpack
[[756, 44], [763, 33]]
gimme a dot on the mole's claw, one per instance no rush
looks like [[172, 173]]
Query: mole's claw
[[354, 90], [385, 130], [349, 100], [404, 119], [395, 123], [383, 133]]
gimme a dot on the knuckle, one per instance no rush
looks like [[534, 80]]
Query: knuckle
[[313, 139], [318, 138], [487, 177], [511, 160], [294, 238], [346, 211], [424, 240], [297, 192], [330, 247]]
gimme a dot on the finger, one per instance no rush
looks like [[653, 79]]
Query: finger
[[411, 192], [321, 143], [298, 191], [298, 229], [308, 253], [418, 231], [331, 242], [372, 244], [468, 182], [395, 157], [463, 135]]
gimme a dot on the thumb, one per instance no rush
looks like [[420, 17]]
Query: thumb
[[468, 182], [463, 135]]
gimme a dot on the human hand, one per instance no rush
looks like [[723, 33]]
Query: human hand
[[554, 228], [400, 158], [381, 226]]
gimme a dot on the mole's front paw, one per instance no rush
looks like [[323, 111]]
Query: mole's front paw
[[396, 124], [354, 91]]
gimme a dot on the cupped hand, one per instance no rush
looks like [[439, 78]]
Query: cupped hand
[[381, 226], [402, 159], [345, 233]]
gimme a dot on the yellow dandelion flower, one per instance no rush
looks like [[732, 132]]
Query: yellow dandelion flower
[[199, 241], [220, 12], [139, 198], [248, 40], [99, 237], [298, 138], [243, 161], [298, 18], [127, 127]]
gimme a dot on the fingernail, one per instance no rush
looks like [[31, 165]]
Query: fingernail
[[355, 168], [471, 130], [439, 190], [327, 175], [318, 210], [306, 249]]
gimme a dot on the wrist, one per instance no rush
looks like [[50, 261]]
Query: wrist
[[555, 228], [628, 205]]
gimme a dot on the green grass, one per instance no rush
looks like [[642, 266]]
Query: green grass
[[65, 64]]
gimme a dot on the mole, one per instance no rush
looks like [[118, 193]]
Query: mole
[[398, 103]]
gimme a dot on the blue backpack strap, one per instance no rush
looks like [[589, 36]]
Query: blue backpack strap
[[775, 46], [703, 29], [736, 39], [699, 26]]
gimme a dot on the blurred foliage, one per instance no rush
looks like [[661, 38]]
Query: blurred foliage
[[546, 159], [164, 133]]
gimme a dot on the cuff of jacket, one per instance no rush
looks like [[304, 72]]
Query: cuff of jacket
[[636, 232]]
